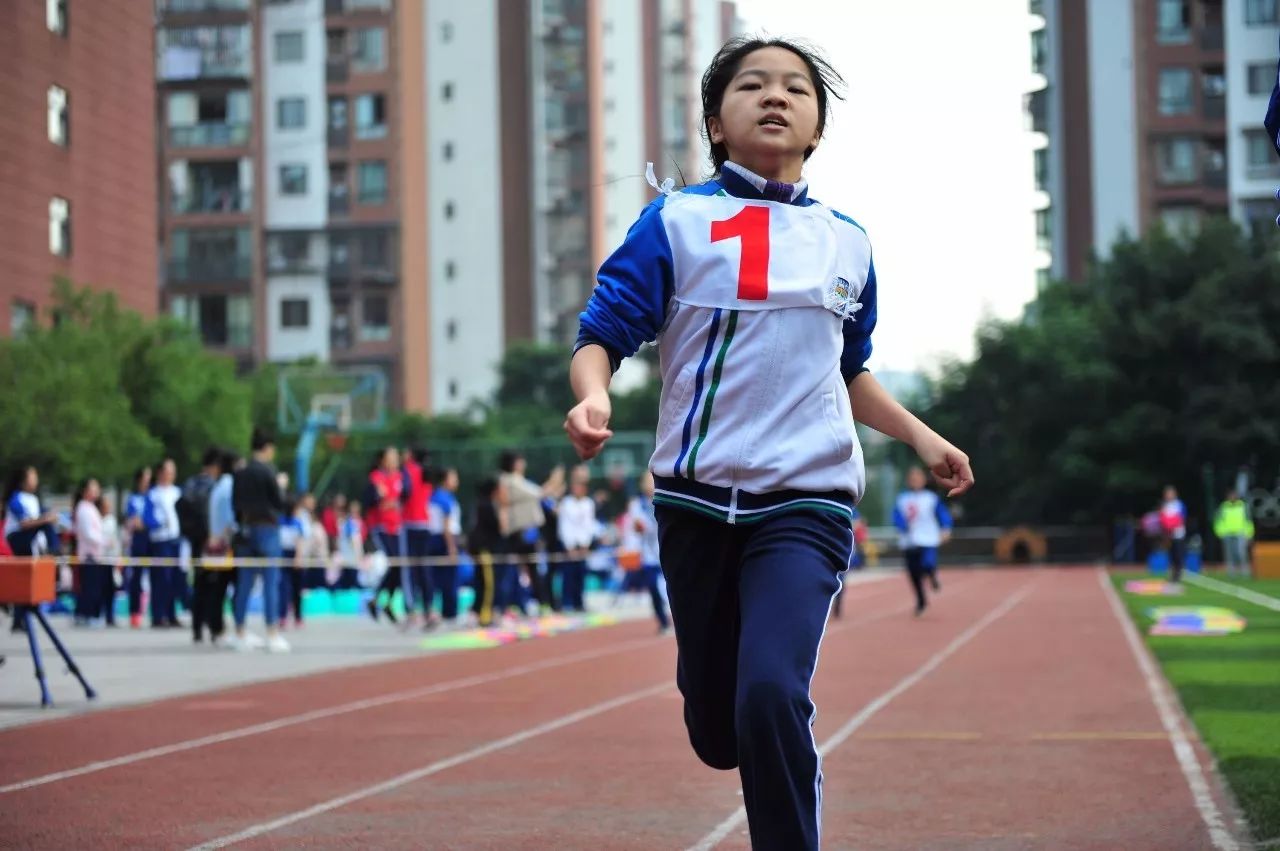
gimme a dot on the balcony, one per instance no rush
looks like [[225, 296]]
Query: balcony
[[1215, 107], [208, 270], [343, 7], [195, 7], [339, 201], [184, 62], [209, 135], [337, 69], [279, 264], [230, 199], [338, 137], [1215, 178], [1211, 37]]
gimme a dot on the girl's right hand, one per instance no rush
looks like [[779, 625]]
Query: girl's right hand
[[588, 425]]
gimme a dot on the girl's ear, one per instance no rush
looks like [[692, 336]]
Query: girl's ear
[[715, 130]]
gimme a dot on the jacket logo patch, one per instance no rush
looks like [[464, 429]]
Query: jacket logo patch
[[839, 299]]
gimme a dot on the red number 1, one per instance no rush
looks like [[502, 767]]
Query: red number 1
[[752, 225]]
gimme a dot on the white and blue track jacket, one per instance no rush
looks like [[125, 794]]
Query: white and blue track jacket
[[762, 302]]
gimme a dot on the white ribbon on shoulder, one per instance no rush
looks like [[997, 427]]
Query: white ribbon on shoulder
[[667, 187]]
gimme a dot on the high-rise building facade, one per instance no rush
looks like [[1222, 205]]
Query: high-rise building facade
[[77, 161], [413, 186], [1150, 111]]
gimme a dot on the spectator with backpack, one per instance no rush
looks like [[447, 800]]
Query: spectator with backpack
[[193, 518]]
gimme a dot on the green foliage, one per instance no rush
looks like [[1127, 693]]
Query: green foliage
[[1161, 362], [98, 391]]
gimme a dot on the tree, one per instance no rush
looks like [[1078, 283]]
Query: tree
[[99, 391], [1160, 364]]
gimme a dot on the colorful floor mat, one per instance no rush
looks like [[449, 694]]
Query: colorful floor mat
[[496, 636], [1151, 588], [1195, 621]]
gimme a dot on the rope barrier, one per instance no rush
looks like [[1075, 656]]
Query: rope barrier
[[233, 562]]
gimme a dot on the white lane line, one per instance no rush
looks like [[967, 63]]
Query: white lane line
[[851, 726], [412, 776], [327, 712], [434, 768], [1247, 594], [345, 708], [1170, 716]]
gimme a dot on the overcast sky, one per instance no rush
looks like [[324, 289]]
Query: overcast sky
[[930, 155]]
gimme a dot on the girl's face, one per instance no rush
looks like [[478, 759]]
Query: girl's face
[[580, 487], [144, 481], [915, 479], [769, 115], [167, 473], [390, 459], [31, 483], [450, 480], [353, 510], [92, 490]]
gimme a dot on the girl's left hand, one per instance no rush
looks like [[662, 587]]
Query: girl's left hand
[[950, 466]]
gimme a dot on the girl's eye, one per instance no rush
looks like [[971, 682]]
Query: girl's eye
[[747, 86], [796, 90]]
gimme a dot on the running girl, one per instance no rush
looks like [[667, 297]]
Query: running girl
[[763, 302]]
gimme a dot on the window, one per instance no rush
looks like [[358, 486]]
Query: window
[[58, 116], [1259, 215], [1042, 280], [449, 209], [446, 91], [1173, 21], [55, 16], [1260, 155], [60, 227], [446, 31], [293, 179], [289, 47], [373, 182], [453, 390], [219, 319], [22, 315], [1180, 219], [1044, 230], [371, 116], [448, 151], [1042, 169], [1262, 76], [450, 270], [291, 113], [1260, 12], [375, 249], [295, 313], [1039, 51], [369, 49], [375, 324], [337, 113], [451, 329], [1175, 91], [1176, 160]]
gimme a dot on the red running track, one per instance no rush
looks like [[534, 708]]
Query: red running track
[[1014, 714]]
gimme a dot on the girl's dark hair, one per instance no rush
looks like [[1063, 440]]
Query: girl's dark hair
[[17, 479], [487, 487], [827, 83], [227, 463], [81, 488], [137, 477], [507, 461]]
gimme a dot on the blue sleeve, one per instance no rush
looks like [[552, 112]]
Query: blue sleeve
[[149, 517], [899, 519], [944, 516], [857, 331], [16, 509], [629, 304]]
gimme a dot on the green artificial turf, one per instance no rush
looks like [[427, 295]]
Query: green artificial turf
[[1230, 687]]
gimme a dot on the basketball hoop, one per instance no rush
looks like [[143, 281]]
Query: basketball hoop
[[336, 440]]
